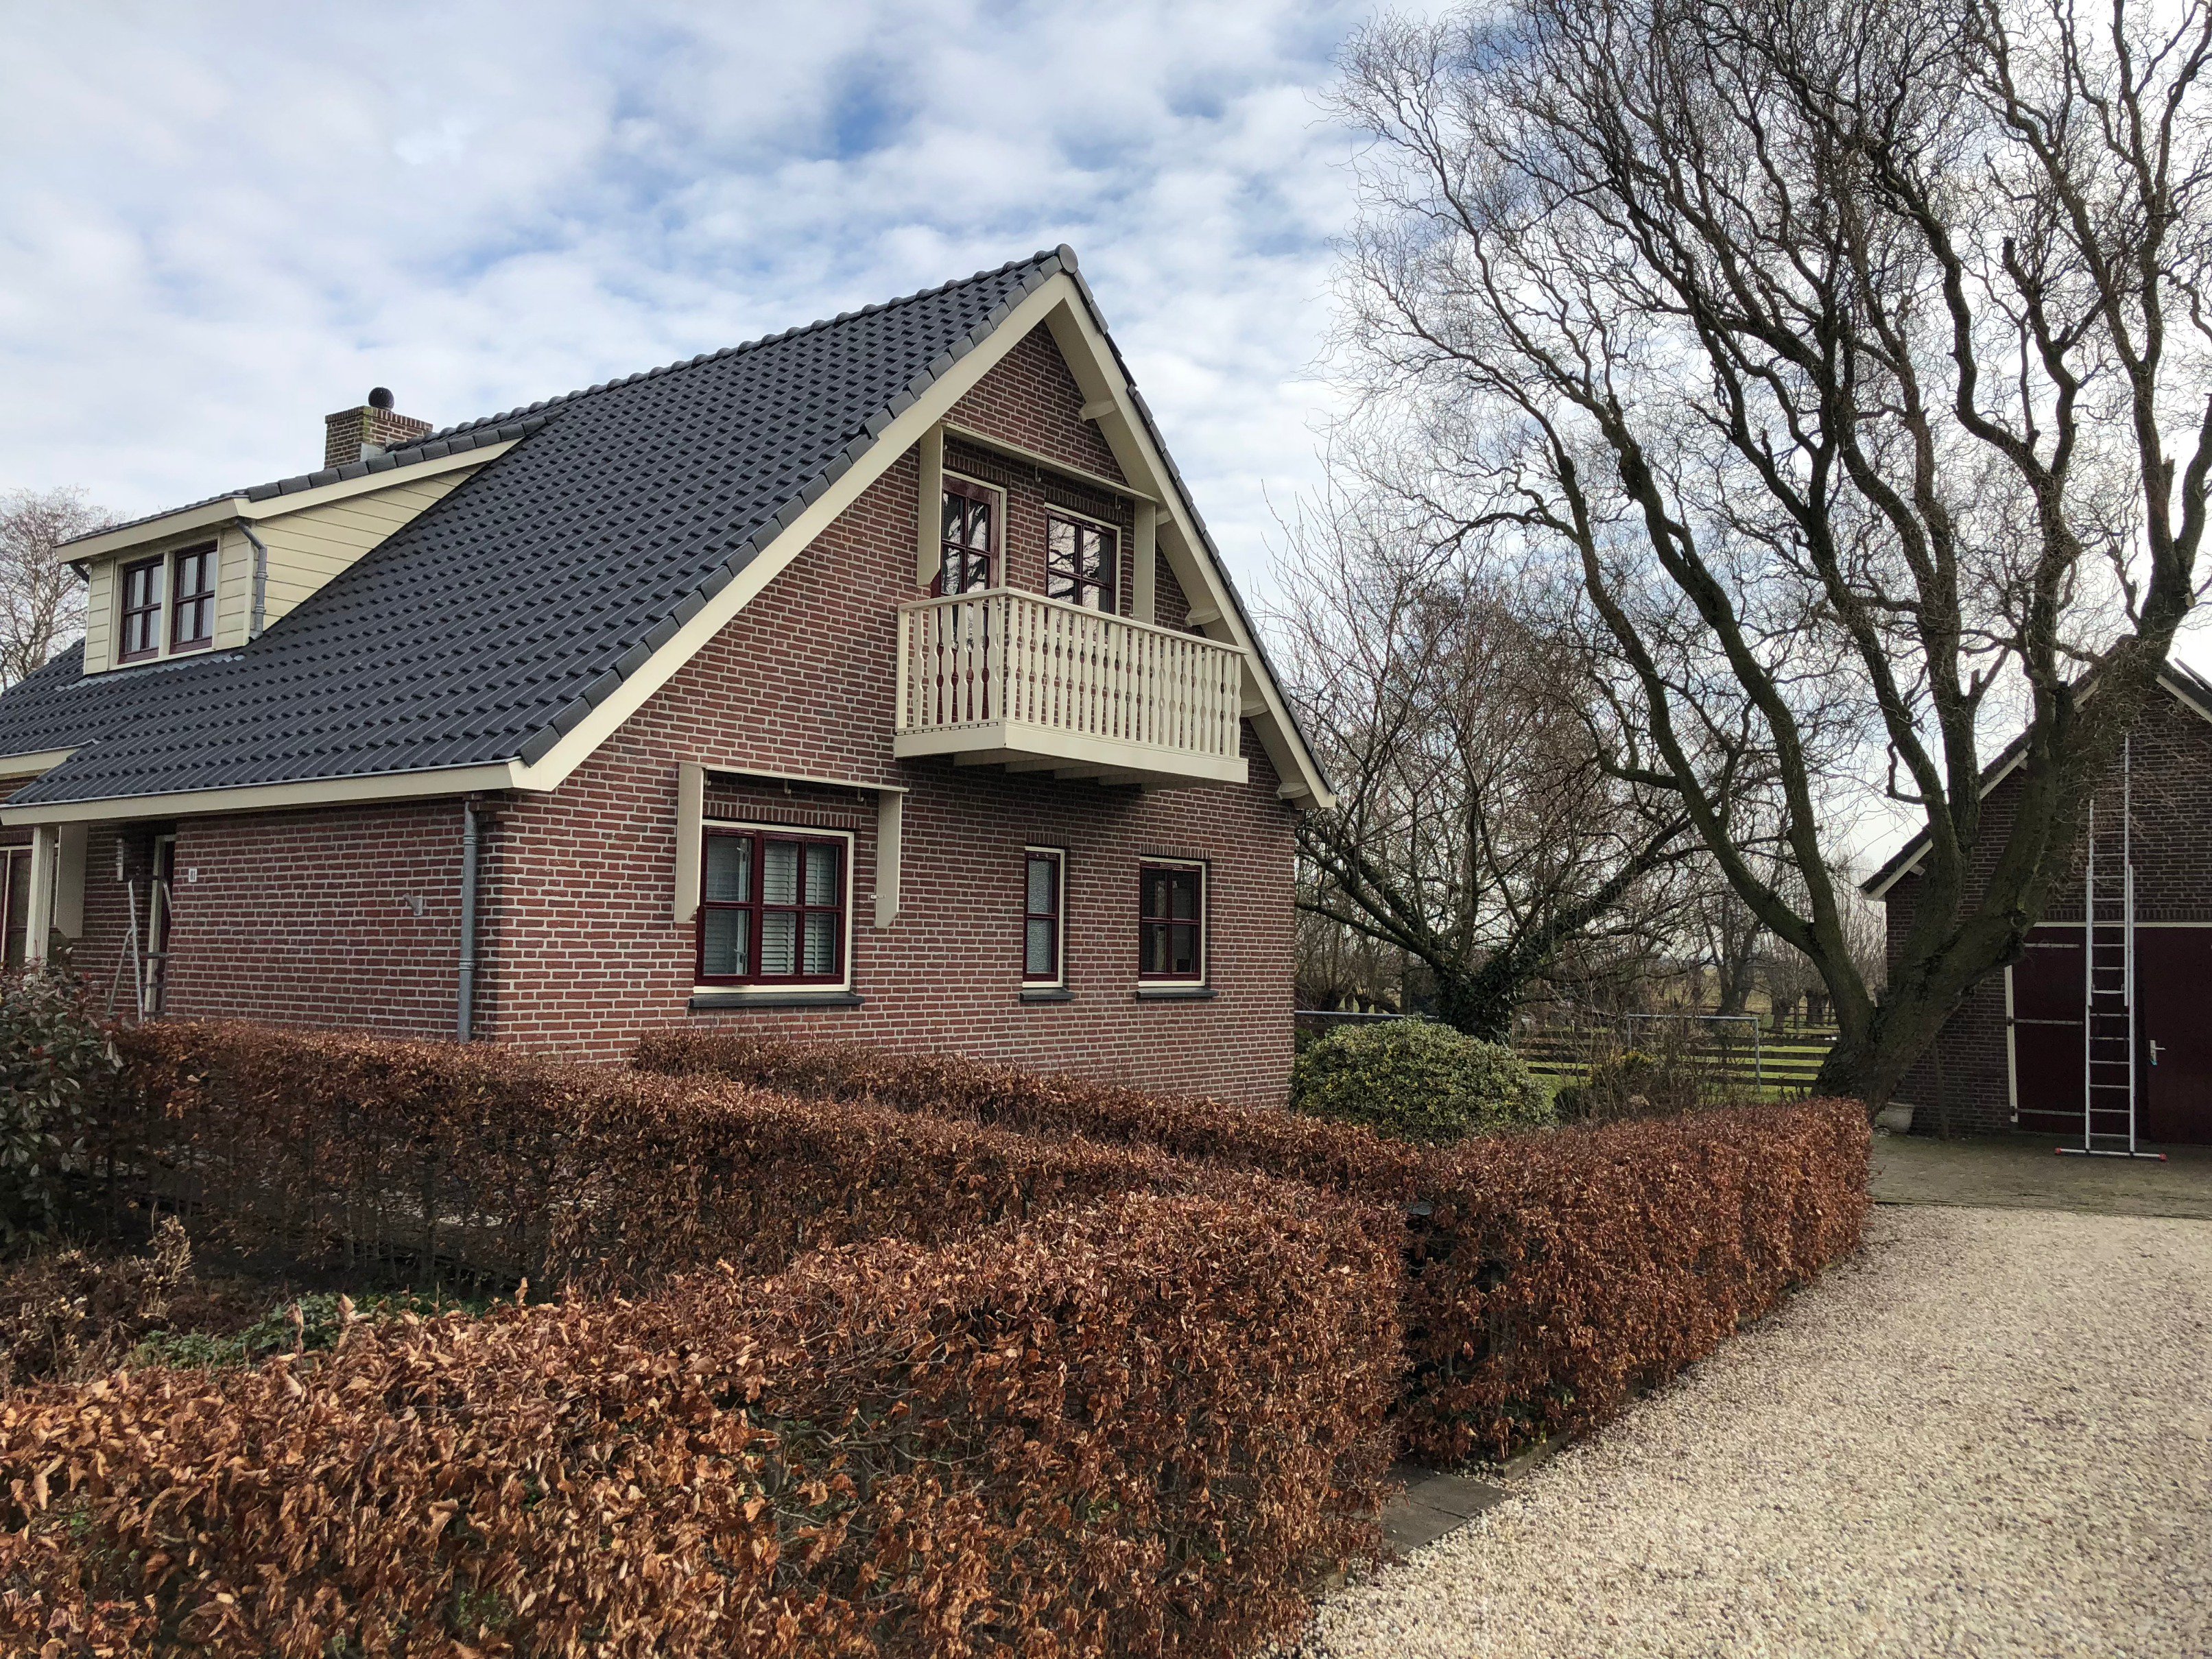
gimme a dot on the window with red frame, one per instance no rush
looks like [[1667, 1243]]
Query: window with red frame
[[970, 545], [1171, 921], [1079, 561], [772, 908], [1041, 916], [192, 611], [142, 609]]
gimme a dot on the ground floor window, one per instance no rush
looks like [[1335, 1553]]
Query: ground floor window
[[1043, 935], [773, 907], [1171, 922]]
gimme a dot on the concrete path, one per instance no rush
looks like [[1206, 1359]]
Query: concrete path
[[1991, 1434], [2027, 1172]]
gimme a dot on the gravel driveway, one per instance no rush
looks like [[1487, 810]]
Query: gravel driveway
[[1991, 1433]]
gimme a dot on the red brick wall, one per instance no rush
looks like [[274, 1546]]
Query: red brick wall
[[304, 918], [581, 952], [2170, 766]]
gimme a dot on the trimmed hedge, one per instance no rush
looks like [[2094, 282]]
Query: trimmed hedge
[[1142, 1428], [1552, 1275], [1414, 1080], [421, 1159]]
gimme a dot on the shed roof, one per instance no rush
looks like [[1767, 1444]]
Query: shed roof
[[2180, 682]]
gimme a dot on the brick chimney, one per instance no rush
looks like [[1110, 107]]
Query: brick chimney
[[359, 434]]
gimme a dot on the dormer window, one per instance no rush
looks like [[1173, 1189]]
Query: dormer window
[[142, 609], [191, 613]]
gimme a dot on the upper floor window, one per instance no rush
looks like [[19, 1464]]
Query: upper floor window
[[971, 546], [191, 612], [142, 609], [1081, 559], [1171, 922], [772, 908]]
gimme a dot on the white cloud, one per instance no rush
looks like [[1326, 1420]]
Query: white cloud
[[218, 224]]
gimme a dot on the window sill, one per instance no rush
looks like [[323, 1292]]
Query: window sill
[[1174, 994], [702, 1001], [1046, 993]]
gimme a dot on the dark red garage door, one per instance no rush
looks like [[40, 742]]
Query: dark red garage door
[[2046, 1035], [2173, 987], [2173, 1057]]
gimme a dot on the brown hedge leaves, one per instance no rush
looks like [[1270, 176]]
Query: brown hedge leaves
[[335, 1148], [1137, 1428], [1551, 1275], [1044, 1368]]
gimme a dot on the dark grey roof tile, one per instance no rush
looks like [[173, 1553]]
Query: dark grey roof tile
[[527, 594]]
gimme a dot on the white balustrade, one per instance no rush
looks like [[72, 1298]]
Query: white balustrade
[[1020, 670]]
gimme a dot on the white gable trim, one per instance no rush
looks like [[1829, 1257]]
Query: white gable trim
[[1059, 302], [230, 509], [2174, 686]]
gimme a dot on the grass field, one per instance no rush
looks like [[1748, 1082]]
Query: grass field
[[1779, 1067]]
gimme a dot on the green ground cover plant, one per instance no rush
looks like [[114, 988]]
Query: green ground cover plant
[[1415, 1079]]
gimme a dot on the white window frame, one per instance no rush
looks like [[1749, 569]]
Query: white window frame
[[843, 984]]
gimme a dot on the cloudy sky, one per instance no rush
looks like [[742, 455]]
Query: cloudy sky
[[219, 223]]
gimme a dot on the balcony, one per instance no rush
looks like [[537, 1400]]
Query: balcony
[[1002, 677]]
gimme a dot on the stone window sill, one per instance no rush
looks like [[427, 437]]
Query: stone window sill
[[716, 1001]]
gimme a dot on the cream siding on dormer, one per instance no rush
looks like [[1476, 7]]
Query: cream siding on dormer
[[306, 549], [99, 616]]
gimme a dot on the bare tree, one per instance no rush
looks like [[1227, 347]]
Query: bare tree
[[1479, 835], [1854, 354], [1732, 942], [41, 596]]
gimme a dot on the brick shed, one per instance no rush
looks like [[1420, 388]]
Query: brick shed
[[2032, 1044], [877, 680]]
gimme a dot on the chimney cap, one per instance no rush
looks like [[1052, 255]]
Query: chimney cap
[[380, 397]]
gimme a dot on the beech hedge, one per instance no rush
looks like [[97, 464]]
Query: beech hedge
[[1551, 1276], [1141, 1427], [423, 1160]]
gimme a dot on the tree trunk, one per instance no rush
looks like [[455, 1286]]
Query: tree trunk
[[1871, 1066]]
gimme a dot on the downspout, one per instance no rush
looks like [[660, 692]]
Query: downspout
[[260, 580], [464, 1021]]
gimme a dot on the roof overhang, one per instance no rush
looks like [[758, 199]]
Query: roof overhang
[[230, 509], [2184, 687], [271, 797], [1060, 303]]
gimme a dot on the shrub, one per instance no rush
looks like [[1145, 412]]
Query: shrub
[[1415, 1079], [433, 1162], [1636, 1083], [1551, 1276], [1141, 1428], [72, 1313], [56, 1064]]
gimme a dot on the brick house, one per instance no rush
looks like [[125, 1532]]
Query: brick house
[[875, 680], [2030, 1044]]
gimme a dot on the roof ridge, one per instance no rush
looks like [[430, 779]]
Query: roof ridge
[[1063, 253], [520, 422]]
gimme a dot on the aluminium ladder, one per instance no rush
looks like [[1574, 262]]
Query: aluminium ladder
[[2109, 1079]]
